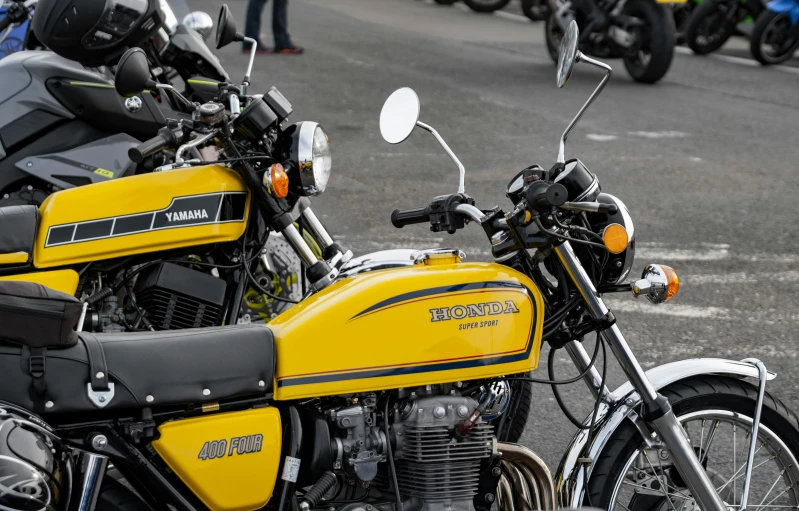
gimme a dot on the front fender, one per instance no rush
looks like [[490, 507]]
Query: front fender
[[622, 403]]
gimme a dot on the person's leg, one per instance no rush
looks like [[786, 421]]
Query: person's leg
[[252, 27], [280, 27]]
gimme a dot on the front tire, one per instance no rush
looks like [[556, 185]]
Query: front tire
[[774, 39], [486, 5], [709, 27], [626, 477], [653, 51]]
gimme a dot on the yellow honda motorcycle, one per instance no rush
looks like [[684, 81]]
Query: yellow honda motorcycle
[[379, 390]]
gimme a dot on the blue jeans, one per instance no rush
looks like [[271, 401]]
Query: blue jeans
[[279, 22]]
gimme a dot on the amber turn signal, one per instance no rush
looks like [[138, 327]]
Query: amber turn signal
[[672, 281], [615, 238], [278, 181]]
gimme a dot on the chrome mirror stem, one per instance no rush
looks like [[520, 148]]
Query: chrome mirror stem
[[166, 86], [608, 71], [253, 46], [449, 152]]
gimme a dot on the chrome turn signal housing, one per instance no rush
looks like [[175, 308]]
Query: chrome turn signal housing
[[659, 283]]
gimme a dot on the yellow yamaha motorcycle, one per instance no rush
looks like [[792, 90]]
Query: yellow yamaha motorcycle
[[379, 390]]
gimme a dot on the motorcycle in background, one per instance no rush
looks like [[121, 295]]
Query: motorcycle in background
[[775, 37], [15, 25], [713, 22], [640, 32]]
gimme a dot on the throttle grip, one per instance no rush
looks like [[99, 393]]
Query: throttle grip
[[402, 217], [166, 138]]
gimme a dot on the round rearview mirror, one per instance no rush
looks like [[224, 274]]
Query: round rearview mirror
[[226, 28], [200, 22], [133, 73], [569, 55], [399, 115]]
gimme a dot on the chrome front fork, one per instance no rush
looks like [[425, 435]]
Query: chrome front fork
[[657, 411]]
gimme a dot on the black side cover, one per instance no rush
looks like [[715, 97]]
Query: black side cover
[[26, 127], [18, 229], [37, 316], [100, 105], [175, 367]]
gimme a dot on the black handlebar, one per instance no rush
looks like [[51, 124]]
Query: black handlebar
[[166, 138], [542, 196], [402, 217]]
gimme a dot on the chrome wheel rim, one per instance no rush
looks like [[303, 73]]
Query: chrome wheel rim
[[721, 438]]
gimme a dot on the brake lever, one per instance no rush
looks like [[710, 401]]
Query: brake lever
[[591, 207]]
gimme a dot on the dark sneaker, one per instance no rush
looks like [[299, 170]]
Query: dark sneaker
[[290, 50], [261, 50]]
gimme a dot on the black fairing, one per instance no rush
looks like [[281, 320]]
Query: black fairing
[[101, 106], [68, 135], [190, 56], [316, 455]]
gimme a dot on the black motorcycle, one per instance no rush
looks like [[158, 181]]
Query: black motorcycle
[[713, 22], [640, 32], [50, 104]]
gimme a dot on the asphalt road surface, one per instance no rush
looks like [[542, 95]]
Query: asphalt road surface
[[706, 161]]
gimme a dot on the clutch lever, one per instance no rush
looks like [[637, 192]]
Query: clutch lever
[[590, 207]]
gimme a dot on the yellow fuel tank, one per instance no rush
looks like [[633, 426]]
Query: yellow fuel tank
[[409, 326], [229, 460], [139, 214]]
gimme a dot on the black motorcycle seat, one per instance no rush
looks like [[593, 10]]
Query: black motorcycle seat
[[144, 368], [17, 232]]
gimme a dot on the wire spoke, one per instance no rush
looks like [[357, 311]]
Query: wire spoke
[[711, 434], [738, 473], [676, 495], [773, 485], [665, 485]]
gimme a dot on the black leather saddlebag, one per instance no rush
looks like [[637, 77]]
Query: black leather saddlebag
[[135, 370], [37, 316]]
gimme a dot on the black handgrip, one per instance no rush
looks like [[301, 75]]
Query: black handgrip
[[611, 209], [542, 196], [5, 22], [166, 138], [402, 217]]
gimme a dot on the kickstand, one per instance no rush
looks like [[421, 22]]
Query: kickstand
[[761, 393]]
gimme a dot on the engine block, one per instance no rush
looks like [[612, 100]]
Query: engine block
[[433, 466]]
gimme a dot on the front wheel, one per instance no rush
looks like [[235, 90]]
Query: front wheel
[[716, 413], [486, 5], [651, 54], [709, 27], [774, 38]]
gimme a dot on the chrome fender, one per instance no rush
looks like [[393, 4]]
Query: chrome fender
[[620, 405]]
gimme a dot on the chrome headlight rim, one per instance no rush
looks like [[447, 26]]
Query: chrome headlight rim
[[312, 168], [623, 218]]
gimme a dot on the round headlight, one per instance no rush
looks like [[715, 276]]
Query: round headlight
[[312, 155]]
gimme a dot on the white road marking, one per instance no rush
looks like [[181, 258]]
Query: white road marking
[[658, 134], [669, 309], [701, 252], [511, 16], [597, 137], [736, 60]]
